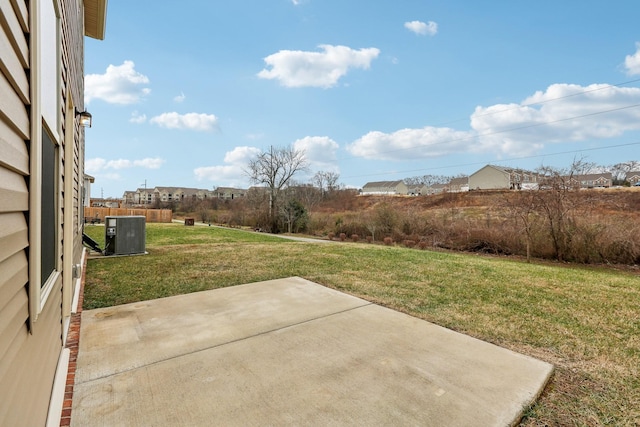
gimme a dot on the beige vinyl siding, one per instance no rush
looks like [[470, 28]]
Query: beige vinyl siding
[[31, 377], [489, 178], [18, 349], [27, 360], [29, 349]]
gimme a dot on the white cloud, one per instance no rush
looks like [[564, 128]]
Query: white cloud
[[191, 121], [561, 113], [180, 98], [236, 159], [294, 68], [118, 164], [430, 28], [149, 163], [320, 151], [240, 156], [632, 62], [137, 117], [408, 144], [94, 165], [98, 164], [120, 84]]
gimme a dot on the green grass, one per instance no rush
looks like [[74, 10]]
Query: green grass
[[586, 321]]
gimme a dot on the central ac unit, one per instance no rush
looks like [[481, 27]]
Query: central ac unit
[[125, 235]]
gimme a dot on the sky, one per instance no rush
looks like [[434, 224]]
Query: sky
[[183, 94]]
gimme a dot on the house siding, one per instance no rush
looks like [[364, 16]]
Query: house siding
[[29, 349], [15, 340], [385, 188], [489, 178]]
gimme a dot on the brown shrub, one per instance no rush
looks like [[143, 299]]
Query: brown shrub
[[343, 237], [355, 237], [388, 241]]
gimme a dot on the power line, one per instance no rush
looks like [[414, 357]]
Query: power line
[[517, 107], [479, 135], [520, 127], [461, 165]]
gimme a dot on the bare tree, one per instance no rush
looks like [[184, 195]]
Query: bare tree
[[556, 201], [427, 180], [307, 194], [274, 169], [327, 182], [522, 206], [619, 171]]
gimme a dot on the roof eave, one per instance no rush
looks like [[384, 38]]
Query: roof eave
[[95, 18]]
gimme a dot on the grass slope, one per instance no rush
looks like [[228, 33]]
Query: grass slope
[[586, 321]]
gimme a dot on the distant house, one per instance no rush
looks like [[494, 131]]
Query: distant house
[[436, 189], [633, 177], [458, 185], [493, 177], [146, 196], [86, 189], [105, 203], [183, 194], [229, 193], [387, 188], [165, 194], [129, 197], [597, 180], [417, 190]]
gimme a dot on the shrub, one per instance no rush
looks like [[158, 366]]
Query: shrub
[[343, 237], [388, 241], [331, 235], [369, 239], [355, 237], [409, 243]]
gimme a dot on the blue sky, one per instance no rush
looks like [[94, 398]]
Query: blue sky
[[184, 93]]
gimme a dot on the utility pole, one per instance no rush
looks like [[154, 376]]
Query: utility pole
[[145, 191], [271, 190]]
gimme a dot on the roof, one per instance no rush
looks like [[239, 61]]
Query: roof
[[593, 176], [383, 184], [95, 18], [230, 189], [459, 181]]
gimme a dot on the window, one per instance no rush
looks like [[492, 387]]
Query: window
[[50, 65], [48, 212]]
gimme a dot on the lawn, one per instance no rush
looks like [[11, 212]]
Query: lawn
[[584, 320]]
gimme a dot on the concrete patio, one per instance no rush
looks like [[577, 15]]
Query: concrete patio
[[290, 352]]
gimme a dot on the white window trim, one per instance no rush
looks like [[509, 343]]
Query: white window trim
[[39, 294]]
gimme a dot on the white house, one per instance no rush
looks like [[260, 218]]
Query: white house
[[388, 188]]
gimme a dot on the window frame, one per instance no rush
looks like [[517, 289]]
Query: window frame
[[45, 116]]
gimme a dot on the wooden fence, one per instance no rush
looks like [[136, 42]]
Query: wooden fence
[[94, 214]]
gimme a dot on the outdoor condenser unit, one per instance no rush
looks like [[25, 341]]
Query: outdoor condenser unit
[[124, 235]]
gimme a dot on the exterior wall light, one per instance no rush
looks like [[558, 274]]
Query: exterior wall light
[[85, 118]]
